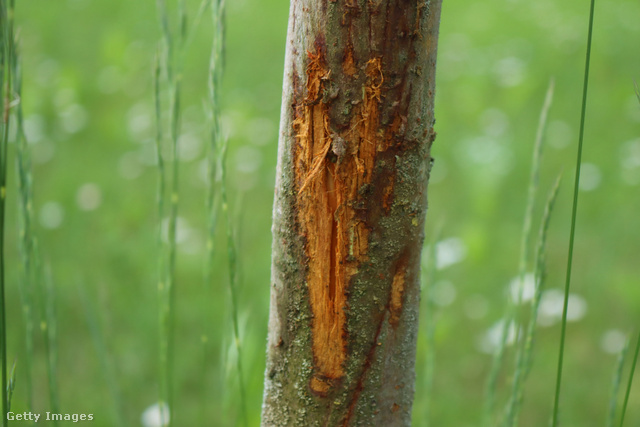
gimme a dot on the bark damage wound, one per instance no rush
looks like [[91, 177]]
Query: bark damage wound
[[331, 207], [397, 293]]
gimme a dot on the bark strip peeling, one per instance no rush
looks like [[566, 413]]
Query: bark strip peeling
[[356, 132], [330, 168]]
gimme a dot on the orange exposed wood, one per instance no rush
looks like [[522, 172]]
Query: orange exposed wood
[[328, 184], [397, 292], [348, 65]]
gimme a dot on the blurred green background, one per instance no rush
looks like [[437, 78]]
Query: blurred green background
[[89, 119]]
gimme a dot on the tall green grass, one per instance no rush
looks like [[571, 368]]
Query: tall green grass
[[213, 196], [232, 258], [574, 215], [510, 311], [104, 357], [217, 154], [49, 327], [630, 381], [214, 81], [168, 77], [429, 314], [37, 286], [615, 387], [524, 355], [28, 246], [637, 350], [6, 95], [11, 386]]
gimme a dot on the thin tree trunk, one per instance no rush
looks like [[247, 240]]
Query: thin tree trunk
[[354, 158]]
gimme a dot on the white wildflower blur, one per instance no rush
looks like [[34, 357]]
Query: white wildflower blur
[[590, 177], [491, 340], [476, 307], [494, 122], [140, 121], [613, 341], [156, 415], [443, 293], [551, 306], [129, 166], [51, 215], [189, 147], [522, 291], [261, 131], [183, 230], [34, 128], [450, 251], [509, 71], [73, 118], [559, 134], [89, 197], [248, 159]]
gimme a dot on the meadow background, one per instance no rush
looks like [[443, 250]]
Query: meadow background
[[89, 120]]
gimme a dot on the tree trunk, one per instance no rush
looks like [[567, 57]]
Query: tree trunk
[[354, 158]]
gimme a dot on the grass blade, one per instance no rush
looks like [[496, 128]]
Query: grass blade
[[50, 335], [164, 378], [633, 369], [216, 69], [232, 261], [533, 186], [429, 277], [27, 244], [166, 65], [212, 202], [525, 351], [11, 386], [204, 4], [216, 155], [106, 364], [524, 257], [635, 356], [6, 97], [574, 212], [172, 249], [615, 387], [214, 82], [526, 239]]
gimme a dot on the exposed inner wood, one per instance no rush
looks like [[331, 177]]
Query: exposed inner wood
[[331, 167], [397, 293]]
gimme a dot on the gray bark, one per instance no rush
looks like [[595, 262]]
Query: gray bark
[[351, 197]]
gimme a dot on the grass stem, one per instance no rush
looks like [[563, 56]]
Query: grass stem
[[11, 386], [574, 211], [233, 285], [510, 311], [615, 388], [6, 28], [429, 269], [28, 249], [104, 357], [633, 370], [524, 355]]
